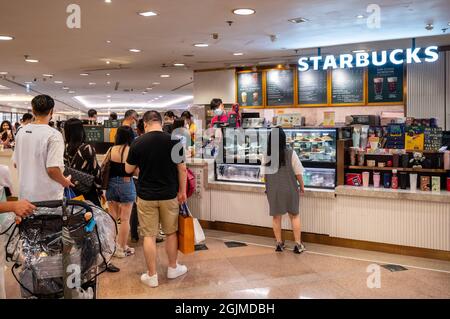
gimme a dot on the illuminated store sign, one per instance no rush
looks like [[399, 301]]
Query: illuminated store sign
[[363, 59]]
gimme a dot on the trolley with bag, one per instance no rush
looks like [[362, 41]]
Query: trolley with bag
[[60, 250]]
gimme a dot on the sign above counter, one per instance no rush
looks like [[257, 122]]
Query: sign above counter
[[364, 59]]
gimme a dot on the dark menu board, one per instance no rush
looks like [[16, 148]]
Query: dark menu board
[[386, 83], [250, 89], [280, 87], [312, 87], [347, 86], [94, 134]]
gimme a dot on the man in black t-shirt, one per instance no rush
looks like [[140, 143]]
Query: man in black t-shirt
[[161, 189]]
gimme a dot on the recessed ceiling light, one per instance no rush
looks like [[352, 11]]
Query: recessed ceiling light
[[58, 82], [359, 51], [108, 96], [149, 89], [84, 74], [135, 50], [165, 75], [298, 20], [148, 14], [31, 60], [48, 75], [160, 96], [108, 62], [244, 11], [65, 88], [6, 38], [109, 100], [71, 92], [108, 41], [108, 1], [156, 83], [92, 83], [107, 74], [238, 53], [360, 16], [201, 45], [108, 82], [178, 64], [3, 73]]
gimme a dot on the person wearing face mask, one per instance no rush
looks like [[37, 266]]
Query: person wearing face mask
[[131, 119], [220, 116]]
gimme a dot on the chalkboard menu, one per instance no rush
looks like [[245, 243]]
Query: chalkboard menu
[[280, 87], [112, 123], [347, 86], [312, 87], [385, 83], [94, 134], [250, 89]]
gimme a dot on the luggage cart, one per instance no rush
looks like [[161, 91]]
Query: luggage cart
[[60, 250]]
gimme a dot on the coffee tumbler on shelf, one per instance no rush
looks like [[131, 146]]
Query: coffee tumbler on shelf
[[405, 160], [448, 184], [360, 158], [387, 180], [366, 179], [413, 182], [403, 180], [353, 152], [376, 179], [394, 179], [436, 183], [395, 160], [425, 183]]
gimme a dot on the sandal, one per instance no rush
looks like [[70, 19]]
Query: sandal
[[129, 251]]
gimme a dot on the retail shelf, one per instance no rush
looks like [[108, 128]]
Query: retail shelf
[[399, 169]]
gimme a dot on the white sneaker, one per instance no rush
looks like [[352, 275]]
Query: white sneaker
[[120, 253], [173, 273], [151, 281]]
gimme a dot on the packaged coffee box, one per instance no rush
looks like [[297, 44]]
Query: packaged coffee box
[[425, 183], [436, 183]]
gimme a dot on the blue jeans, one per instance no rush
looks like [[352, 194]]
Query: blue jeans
[[121, 190]]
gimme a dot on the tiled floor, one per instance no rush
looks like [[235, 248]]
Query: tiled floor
[[256, 272]]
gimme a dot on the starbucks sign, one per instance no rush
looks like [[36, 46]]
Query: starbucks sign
[[364, 59]]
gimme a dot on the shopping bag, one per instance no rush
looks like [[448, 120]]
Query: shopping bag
[[199, 235], [70, 194], [186, 234]]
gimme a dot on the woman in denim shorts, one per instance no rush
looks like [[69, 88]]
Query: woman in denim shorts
[[121, 192]]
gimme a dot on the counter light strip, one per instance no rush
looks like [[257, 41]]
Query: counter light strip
[[345, 257]]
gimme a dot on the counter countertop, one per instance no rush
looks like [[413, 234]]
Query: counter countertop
[[6, 153], [259, 188], [383, 193]]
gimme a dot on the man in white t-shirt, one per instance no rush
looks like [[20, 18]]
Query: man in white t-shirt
[[39, 156]]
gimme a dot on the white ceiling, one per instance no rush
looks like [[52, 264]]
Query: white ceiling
[[40, 30]]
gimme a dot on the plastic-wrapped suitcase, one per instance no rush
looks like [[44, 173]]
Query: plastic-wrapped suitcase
[[59, 251]]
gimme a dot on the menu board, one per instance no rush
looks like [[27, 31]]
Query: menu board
[[347, 86], [280, 87], [250, 89], [386, 83], [112, 123], [94, 134], [312, 87]]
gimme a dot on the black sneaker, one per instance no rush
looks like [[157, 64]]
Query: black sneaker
[[299, 248], [280, 247]]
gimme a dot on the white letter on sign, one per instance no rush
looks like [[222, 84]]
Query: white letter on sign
[[74, 19], [302, 64], [362, 59], [432, 53]]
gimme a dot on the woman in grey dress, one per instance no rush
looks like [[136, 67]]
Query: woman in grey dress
[[284, 183]]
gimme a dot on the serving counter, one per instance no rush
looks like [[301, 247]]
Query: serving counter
[[396, 221]]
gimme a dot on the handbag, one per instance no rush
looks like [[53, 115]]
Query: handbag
[[105, 168], [186, 241], [83, 181]]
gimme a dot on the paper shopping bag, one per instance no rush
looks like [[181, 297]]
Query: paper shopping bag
[[199, 235], [186, 234]]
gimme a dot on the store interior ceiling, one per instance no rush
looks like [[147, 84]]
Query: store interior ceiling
[[92, 66]]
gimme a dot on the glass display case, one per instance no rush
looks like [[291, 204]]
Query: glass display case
[[313, 145], [242, 155]]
